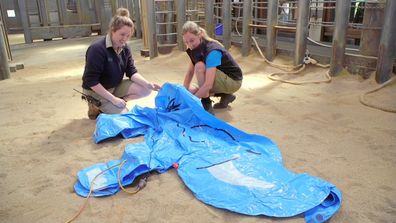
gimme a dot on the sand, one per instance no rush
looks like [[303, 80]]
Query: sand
[[321, 129]]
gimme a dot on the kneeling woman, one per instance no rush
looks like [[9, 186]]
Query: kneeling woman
[[216, 71], [107, 60]]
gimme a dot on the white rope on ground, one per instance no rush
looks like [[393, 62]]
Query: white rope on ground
[[372, 105], [307, 60]]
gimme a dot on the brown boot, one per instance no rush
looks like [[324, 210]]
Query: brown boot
[[93, 111]]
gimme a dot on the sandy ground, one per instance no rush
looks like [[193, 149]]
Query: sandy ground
[[321, 129]]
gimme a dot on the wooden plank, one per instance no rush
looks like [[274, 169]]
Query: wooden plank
[[67, 31]]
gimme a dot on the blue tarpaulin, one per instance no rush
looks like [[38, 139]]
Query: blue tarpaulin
[[222, 165]]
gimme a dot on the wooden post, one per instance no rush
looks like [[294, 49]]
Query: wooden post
[[246, 33], [61, 11], [43, 12], [137, 18], [387, 46], [4, 67], [227, 24], [301, 32], [25, 21], [152, 35], [194, 14], [272, 21], [170, 28], [105, 15], [3, 31], [209, 15], [181, 19], [373, 17], [343, 8]]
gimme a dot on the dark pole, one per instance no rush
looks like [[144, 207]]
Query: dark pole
[[343, 8], [272, 20], [301, 32], [387, 46], [246, 35]]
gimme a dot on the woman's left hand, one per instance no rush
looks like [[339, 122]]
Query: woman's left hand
[[154, 87]]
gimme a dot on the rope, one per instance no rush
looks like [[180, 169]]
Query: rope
[[89, 194], [369, 104], [141, 185], [307, 60]]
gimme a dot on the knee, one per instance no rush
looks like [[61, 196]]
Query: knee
[[145, 92], [199, 68]]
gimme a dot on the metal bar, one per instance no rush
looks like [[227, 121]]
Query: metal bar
[[339, 37], [181, 19], [290, 28], [301, 32], [246, 33], [209, 18], [272, 18], [166, 34], [227, 24], [387, 46]]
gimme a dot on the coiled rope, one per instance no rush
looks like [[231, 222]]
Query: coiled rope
[[364, 101]]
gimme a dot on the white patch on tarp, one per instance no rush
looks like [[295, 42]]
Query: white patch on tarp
[[227, 172], [100, 181]]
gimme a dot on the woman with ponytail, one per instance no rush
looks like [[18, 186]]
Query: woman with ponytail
[[215, 69], [107, 60]]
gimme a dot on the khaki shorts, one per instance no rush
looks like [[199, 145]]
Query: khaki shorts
[[225, 84], [120, 91]]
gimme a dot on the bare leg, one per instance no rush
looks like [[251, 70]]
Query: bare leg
[[136, 91], [199, 70]]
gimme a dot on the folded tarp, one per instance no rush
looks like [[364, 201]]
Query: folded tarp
[[222, 165]]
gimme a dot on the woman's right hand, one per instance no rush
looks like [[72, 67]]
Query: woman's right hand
[[119, 102]]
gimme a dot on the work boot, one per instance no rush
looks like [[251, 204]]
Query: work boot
[[207, 105], [93, 111], [224, 100]]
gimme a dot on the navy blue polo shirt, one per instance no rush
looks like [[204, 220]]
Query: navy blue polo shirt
[[103, 65]]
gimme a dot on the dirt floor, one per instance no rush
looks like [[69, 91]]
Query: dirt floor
[[321, 129]]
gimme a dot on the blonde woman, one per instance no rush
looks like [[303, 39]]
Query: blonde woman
[[215, 69], [107, 60]]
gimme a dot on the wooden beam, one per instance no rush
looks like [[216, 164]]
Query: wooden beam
[[25, 21], [137, 18], [181, 19], [209, 17], [339, 37], [246, 32], [227, 24], [302, 32], [4, 67], [387, 47], [272, 20]]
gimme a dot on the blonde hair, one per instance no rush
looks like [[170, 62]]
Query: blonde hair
[[194, 28], [120, 19]]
